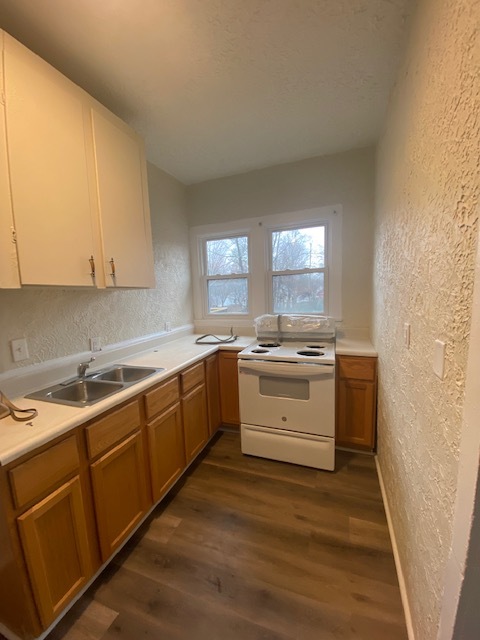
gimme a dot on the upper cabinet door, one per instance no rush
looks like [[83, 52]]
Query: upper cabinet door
[[9, 276], [123, 203], [46, 124]]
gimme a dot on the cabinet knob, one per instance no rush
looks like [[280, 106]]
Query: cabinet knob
[[112, 267], [92, 266]]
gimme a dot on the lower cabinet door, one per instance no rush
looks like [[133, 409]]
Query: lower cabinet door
[[213, 393], [57, 552], [195, 421], [120, 492], [356, 414], [167, 450]]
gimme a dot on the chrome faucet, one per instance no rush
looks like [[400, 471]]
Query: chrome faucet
[[83, 366]]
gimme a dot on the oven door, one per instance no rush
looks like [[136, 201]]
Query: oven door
[[283, 395]]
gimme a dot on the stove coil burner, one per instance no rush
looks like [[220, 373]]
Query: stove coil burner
[[269, 345], [310, 353], [315, 346], [259, 350]]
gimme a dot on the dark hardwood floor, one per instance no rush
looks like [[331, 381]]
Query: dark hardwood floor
[[252, 549]]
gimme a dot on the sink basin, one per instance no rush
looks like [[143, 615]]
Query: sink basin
[[82, 392], [126, 374], [78, 393], [85, 391]]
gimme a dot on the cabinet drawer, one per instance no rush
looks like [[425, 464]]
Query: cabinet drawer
[[192, 376], [42, 472], [104, 433], [161, 397], [358, 368]]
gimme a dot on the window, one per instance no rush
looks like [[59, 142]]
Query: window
[[297, 269], [288, 262], [226, 275]]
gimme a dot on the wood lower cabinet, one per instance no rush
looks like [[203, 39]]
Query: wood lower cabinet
[[166, 450], [119, 492], [356, 402], [47, 537], [195, 421], [166, 442], [67, 507], [229, 400], [213, 393], [56, 547]]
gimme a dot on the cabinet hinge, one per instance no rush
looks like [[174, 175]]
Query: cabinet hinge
[[14, 235]]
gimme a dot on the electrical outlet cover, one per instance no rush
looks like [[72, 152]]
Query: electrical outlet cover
[[95, 344]]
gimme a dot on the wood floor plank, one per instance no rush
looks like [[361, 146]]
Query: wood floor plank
[[174, 614], [372, 534], [373, 629], [229, 456], [91, 623], [236, 593], [255, 549], [284, 562], [271, 496]]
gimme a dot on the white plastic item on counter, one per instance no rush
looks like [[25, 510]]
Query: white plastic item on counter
[[294, 327]]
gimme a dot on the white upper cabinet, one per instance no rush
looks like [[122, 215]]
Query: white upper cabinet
[[48, 172], [9, 276], [76, 182], [123, 203]]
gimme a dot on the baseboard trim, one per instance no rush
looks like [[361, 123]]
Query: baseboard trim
[[396, 555]]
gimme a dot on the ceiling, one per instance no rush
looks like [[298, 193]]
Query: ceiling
[[219, 87]]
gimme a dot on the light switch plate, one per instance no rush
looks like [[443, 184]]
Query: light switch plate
[[439, 359], [19, 349]]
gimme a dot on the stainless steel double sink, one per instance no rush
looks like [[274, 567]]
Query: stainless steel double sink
[[98, 385]]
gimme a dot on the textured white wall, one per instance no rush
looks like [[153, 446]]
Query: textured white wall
[[344, 178], [59, 322], [425, 237]]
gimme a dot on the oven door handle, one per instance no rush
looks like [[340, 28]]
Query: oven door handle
[[286, 369]]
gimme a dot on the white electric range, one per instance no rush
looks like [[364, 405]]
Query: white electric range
[[287, 395]]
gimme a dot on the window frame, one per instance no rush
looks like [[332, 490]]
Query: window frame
[[259, 294], [236, 276], [291, 272]]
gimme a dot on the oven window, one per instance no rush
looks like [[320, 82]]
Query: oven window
[[275, 387]]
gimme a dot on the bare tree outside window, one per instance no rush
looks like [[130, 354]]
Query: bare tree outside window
[[226, 260], [298, 270]]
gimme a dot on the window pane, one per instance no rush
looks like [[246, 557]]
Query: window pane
[[298, 249], [227, 256], [228, 296], [302, 293]]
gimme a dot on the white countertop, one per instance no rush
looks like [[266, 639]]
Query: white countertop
[[53, 420], [355, 347]]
